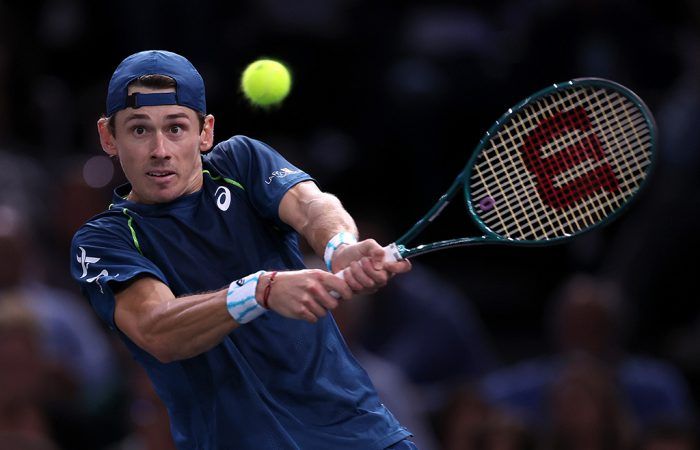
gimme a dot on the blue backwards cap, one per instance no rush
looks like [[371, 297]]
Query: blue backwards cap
[[189, 91]]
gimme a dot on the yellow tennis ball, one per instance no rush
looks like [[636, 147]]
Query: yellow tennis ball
[[266, 82]]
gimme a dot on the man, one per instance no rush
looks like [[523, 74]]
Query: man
[[254, 363]]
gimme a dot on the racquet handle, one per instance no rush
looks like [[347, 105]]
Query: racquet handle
[[391, 254]]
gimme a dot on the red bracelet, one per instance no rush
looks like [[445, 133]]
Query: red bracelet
[[268, 288]]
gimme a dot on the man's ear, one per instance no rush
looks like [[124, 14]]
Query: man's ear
[[206, 137], [106, 137]]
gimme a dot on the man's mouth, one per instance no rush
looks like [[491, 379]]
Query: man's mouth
[[159, 173]]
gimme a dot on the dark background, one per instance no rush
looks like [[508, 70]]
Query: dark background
[[388, 100]]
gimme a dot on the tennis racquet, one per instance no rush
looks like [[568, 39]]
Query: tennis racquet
[[566, 160]]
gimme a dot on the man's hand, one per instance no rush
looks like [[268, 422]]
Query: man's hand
[[303, 294], [366, 271], [316, 216]]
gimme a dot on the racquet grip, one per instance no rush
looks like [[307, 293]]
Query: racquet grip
[[391, 254]]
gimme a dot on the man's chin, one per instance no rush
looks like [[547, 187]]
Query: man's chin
[[155, 196], [166, 197]]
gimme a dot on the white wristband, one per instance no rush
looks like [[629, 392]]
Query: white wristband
[[240, 299], [336, 241]]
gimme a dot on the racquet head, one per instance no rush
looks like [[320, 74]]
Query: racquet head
[[561, 162]]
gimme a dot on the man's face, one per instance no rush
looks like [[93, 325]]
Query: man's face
[[159, 149]]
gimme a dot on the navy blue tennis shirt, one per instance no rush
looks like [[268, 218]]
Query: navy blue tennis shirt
[[273, 383]]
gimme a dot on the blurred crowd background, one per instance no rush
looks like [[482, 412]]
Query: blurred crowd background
[[594, 344]]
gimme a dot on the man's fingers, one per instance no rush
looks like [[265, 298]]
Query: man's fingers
[[360, 275], [379, 276], [375, 252], [324, 299], [309, 294], [351, 281], [398, 267], [308, 316], [317, 308], [341, 286]]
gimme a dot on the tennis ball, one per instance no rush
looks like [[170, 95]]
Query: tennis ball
[[266, 82]]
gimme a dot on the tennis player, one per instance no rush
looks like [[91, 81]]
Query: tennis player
[[196, 266]]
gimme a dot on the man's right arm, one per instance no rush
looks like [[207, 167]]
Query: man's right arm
[[172, 328], [167, 327]]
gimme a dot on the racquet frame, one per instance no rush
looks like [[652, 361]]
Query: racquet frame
[[398, 249]]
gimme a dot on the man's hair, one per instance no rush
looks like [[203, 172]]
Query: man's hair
[[154, 82]]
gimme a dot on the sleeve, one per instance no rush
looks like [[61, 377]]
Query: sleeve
[[102, 254], [264, 174]]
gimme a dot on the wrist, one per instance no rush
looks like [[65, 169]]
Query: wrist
[[241, 298], [334, 244], [264, 297]]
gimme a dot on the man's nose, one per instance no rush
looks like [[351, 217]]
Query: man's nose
[[159, 149]]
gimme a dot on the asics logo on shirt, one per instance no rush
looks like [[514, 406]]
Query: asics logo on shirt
[[223, 198], [85, 261], [283, 172]]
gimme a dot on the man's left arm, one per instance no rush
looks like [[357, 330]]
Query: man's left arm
[[319, 217]]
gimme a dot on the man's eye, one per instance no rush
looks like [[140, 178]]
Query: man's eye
[[139, 131], [175, 129]]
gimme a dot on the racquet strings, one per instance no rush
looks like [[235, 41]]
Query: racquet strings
[[562, 164]]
